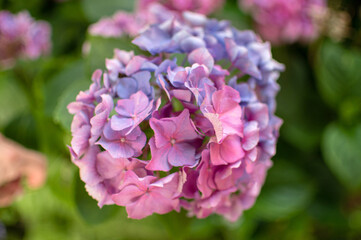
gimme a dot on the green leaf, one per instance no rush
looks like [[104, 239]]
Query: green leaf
[[88, 207], [286, 193], [54, 89], [232, 13], [23, 130], [32, 6], [12, 99], [350, 111], [69, 25], [298, 101], [61, 114], [341, 148], [338, 72], [95, 9], [61, 179], [283, 201]]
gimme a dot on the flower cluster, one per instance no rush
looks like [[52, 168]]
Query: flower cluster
[[179, 129], [149, 12], [22, 37], [285, 21]]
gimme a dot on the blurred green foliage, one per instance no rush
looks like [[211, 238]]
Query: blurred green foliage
[[313, 191]]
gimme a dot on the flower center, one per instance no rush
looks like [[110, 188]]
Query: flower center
[[172, 141], [122, 140]]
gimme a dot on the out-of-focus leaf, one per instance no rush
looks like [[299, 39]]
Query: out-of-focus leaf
[[95, 9], [243, 228], [299, 229], [232, 13], [71, 74], [355, 220], [61, 178], [341, 148], [350, 110], [338, 72], [283, 201], [102, 48], [329, 214], [286, 193], [298, 103], [23, 130], [12, 99], [69, 25], [61, 114], [34, 6], [88, 207], [205, 228]]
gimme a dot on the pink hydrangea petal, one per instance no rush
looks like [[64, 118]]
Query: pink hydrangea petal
[[217, 124], [258, 112], [163, 129], [182, 154], [142, 198], [125, 107], [99, 193], [149, 204], [229, 151], [102, 112], [80, 141], [87, 166], [133, 135], [138, 144], [159, 161], [205, 180], [121, 145], [134, 65], [118, 150], [185, 130], [127, 195], [201, 56], [109, 167], [138, 167], [251, 135], [181, 94]]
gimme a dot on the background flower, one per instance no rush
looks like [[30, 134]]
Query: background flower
[[282, 21], [22, 37]]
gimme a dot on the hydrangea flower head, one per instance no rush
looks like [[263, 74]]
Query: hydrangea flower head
[[178, 129], [285, 21], [22, 37]]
